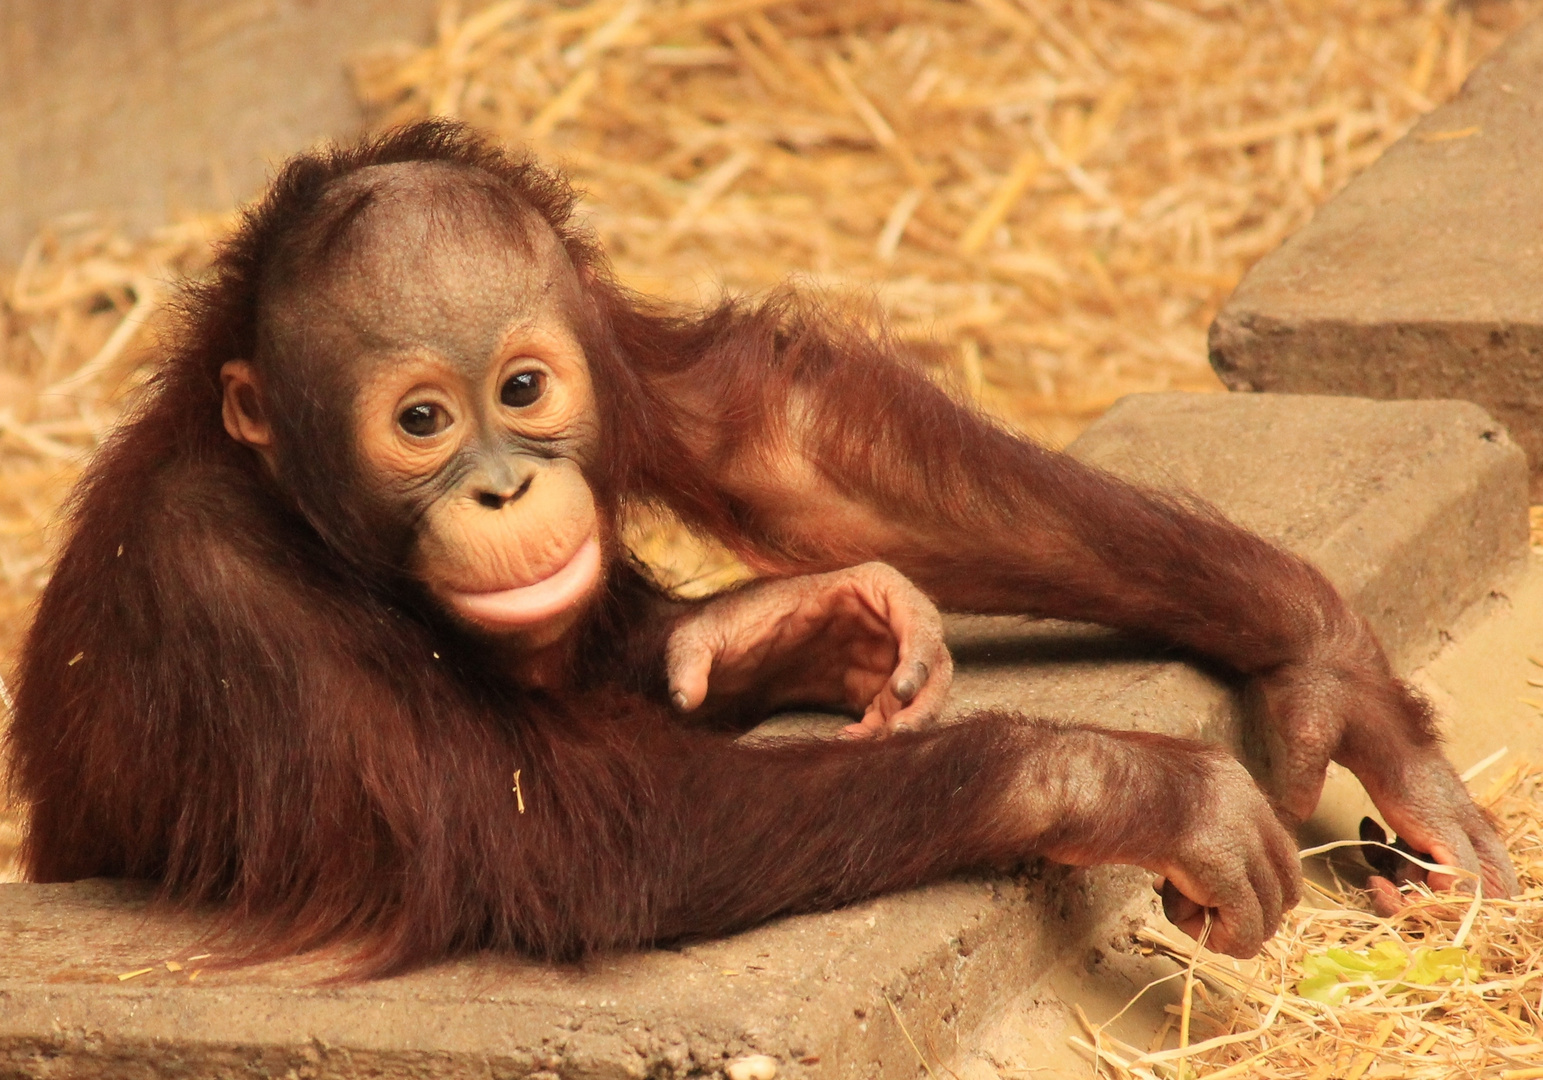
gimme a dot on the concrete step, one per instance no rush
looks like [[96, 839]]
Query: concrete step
[[1416, 509], [1424, 277]]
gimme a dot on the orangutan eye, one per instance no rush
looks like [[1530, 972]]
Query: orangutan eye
[[523, 390], [421, 421]]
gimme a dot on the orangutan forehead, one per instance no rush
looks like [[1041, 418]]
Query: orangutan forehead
[[427, 202], [418, 251], [428, 218]]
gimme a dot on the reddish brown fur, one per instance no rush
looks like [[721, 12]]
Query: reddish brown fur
[[264, 714]]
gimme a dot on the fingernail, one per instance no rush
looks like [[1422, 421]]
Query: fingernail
[[679, 698], [912, 683]]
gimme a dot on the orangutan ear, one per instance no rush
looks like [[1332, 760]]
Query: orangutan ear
[[243, 406]]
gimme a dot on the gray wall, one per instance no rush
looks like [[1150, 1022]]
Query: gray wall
[[146, 107]]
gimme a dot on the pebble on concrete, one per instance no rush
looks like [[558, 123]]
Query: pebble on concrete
[[752, 1067]]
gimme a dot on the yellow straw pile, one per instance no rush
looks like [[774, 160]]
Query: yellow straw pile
[[1450, 987]]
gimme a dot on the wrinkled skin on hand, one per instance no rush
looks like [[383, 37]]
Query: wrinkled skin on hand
[[1345, 705], [1181, 809], [1234, 858], [864, 641]]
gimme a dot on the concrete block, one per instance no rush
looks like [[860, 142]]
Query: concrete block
[[148, 110], [1424, 277], [1415, 508], [814, 992]]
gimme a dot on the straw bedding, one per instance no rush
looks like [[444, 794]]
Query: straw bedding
[[1050, 198], [1451, 987]]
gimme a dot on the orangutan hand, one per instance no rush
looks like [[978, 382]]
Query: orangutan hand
[[1345, 705], [864, 641], [1233, 862]]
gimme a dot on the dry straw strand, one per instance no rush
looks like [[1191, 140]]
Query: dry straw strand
[[1387, 1026]]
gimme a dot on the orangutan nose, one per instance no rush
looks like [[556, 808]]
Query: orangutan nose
[[495, 500]]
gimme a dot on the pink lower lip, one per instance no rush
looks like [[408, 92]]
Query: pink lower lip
[[533, 604]]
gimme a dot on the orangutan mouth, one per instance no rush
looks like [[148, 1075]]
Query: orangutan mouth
[[535, 603]]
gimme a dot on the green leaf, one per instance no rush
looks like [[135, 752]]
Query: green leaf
[[1331, 975], [1451, 964], [1325, 988]]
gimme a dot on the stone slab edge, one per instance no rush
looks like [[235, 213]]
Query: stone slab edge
[[940, 960], [1420, 279]]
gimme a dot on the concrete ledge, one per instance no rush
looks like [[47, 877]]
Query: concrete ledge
[[1424, 277], [812, 991], [1414, 508]]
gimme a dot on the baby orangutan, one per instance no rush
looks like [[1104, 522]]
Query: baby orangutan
[[355, 562]]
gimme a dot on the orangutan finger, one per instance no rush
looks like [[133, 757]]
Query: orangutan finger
[[908, 681], [688, 665]]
